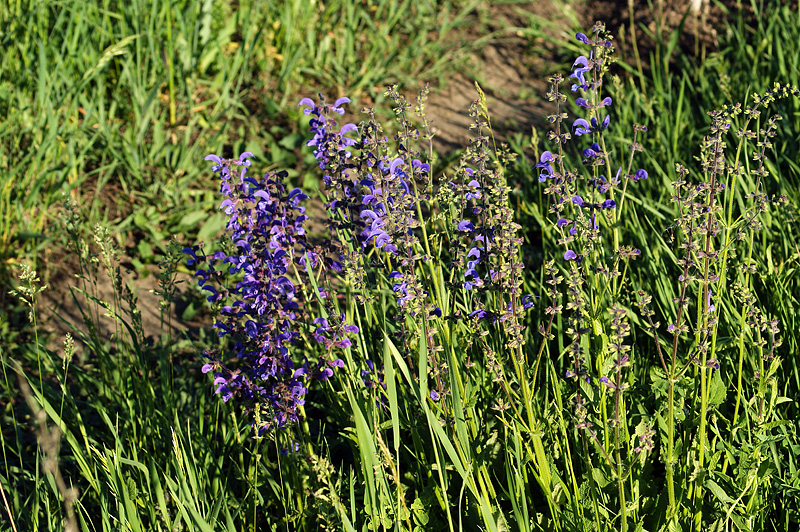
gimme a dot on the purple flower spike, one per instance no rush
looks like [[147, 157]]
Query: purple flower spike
[[583, 38], [577, 200], [609, 204], [562, 222], [605, 102], [570, 255], [260, 307]]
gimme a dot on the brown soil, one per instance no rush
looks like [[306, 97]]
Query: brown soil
[[515, 69]]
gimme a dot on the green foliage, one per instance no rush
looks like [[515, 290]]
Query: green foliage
[[119, 110], [118, 103]]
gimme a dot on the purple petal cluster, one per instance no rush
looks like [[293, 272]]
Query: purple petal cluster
[[261, 312], [579, 212], [327, 140], [333, 150], [546, 168], [388, 205]]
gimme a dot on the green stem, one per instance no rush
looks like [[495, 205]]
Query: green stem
[[740, 358], [170, 65], [671, 444]]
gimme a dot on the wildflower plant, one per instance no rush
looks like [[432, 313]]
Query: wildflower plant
[[261, 312], [588, 208], [413, 316]]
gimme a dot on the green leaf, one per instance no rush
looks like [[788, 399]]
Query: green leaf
[[213, 226], [109, 53], [719, 493], [717, 390], [191, 219]]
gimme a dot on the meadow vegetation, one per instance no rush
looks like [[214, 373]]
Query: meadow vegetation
[[592, 328]]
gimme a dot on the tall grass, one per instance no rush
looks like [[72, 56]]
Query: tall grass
[[120, 101]]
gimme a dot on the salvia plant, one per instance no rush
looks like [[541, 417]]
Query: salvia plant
[[458, 383]]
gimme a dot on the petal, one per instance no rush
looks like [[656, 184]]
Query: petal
[[348, 128], [581, 60], [369, 214], [466, 226], [310, 103], [393, 166], [582, 123], [340, 101]]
